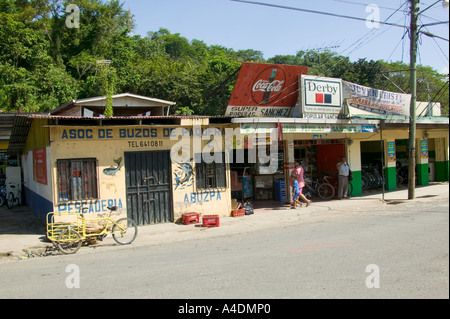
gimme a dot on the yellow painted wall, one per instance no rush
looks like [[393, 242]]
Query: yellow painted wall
[[38, 137], [4, 145], [107, 144]]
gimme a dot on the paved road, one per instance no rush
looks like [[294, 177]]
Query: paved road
[[407, 243]]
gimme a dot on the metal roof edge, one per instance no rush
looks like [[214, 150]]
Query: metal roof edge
[[49, 116], [115, 96], [291, 120]]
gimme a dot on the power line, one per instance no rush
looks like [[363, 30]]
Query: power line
[[371, 39], [376, 29], [316, 12], [431, 35], [359, 43], [437, 44], [400, 42], [362, 4], [341, 57], [445, 84], [435, 23]]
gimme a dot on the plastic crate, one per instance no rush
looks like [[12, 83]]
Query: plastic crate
[[280, 190], [210, 220], [190, 218], [238, 212]]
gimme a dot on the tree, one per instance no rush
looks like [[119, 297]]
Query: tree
[[251, 56], [108, 75], [44, 64]]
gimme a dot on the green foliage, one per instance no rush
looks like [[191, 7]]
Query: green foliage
[[44, 64], [108, 75], [184, 110]]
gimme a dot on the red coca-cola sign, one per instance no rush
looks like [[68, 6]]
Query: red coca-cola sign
[[265, 90], [268, 85]]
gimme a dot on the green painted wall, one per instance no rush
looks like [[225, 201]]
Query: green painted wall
[[442, 171], [422, 174], [356, 183], [391, 178]]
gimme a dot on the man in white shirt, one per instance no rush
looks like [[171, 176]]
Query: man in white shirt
[[344, 171]]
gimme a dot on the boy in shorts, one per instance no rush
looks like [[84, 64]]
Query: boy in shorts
[[295, 192]]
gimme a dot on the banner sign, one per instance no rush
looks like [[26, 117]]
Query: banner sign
[[40, 166], [320, 95], [363, 100], [392, 157], [260, 128], [265, 90], [327, 128], [424, 149]]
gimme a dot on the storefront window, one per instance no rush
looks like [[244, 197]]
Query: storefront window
[[77, 179], [211, 175]]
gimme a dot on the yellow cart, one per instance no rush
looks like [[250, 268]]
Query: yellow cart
[[68, 231]]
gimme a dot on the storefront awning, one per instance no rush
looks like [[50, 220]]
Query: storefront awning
[[19, 134], [329, 129]]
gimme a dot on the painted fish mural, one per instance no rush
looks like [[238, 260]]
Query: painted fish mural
[[184, 174], [111, 171]]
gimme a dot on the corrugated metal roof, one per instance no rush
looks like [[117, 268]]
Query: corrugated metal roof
[[63, 117], [100, 101], [6, 125], [135, 96], [19, 134]]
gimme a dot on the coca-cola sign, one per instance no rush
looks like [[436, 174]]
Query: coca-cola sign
[[265, 90], [268, 85]]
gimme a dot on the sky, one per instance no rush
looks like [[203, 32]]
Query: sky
[[276, 31]]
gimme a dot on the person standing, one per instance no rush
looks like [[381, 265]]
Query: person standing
[[299, 173], [343, 172]]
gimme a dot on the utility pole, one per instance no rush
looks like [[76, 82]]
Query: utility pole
[[412, 119]]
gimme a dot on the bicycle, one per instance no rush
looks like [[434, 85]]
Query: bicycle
[[371, 177], [310, 188], [14, 196], [324, 189], [331, 188], [73, 229], [2, 195]]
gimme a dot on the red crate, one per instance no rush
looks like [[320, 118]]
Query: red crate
[[190, 218], [210, 221], [238, 212]]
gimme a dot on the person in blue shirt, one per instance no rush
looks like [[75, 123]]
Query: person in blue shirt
[[295, 192]]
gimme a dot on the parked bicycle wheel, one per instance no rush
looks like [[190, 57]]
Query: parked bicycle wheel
[[307, 192], [350, 189], [2, 200], [10, 200], [124, 231], [69, 241], [326, 191], [399, 179]]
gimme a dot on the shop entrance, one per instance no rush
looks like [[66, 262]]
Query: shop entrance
[[327, 158], [319, 158], [402, 161], [148, 185], [402, 154], [262, 183], [372, 165]]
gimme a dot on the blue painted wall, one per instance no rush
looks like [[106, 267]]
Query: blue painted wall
[[38, 204]]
